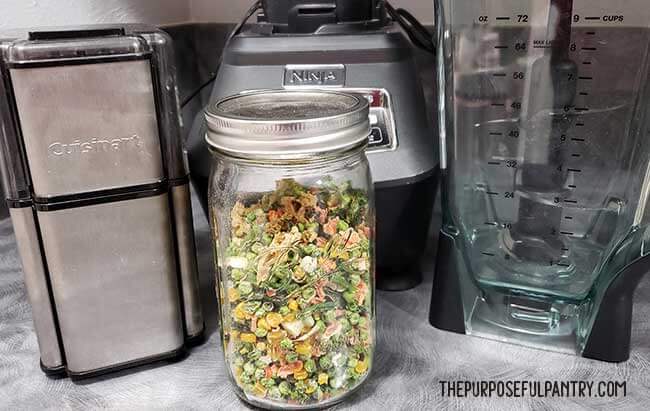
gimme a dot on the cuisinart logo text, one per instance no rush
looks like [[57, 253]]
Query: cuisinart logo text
[[95, 145], [309, 75]]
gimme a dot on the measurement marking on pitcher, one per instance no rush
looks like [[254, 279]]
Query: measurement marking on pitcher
[[489, 254], [591, 33], [568, 218], [492, 193], [499, 74], [567, 233], [496, 134], [582, 93], [578, 139], [498, 104], [576, 155], [501, 47], [573, 186], [580, 124], [494, 163], [571, 201], [563, 265], [581, 109], [586, 62], [589, 48], [492, 224], [585, 78], [592, 18], [574, 170]]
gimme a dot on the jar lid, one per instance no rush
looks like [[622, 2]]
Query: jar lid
[[288, 124]]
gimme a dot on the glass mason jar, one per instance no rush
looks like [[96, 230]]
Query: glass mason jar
[[292, 216]]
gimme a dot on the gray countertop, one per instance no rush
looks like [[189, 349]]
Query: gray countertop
[[411, 358]]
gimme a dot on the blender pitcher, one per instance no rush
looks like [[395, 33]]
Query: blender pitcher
[[545, 141]]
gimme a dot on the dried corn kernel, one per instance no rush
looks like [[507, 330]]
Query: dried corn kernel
[[361, 367], [233, 295], [275, 337], [273, 320], [323, 378], [293, 305], [303, 349], [300, 375], [260, 389], [298, 274], [248, 338], [240, 312], [261, 323]]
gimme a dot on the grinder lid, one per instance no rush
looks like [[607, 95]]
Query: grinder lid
[[288, 124]]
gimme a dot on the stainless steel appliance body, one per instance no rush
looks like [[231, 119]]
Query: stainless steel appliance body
[[99, 196]]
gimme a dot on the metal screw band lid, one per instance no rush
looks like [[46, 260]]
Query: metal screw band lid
[[287, 124]]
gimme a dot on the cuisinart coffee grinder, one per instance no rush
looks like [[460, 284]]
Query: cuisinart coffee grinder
[[352, 46], [99, 196], [546, 166]]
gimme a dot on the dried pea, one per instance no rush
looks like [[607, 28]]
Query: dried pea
[[286, 344], [245, 288], [249, 368], [285, 388], [310, 365], [267, 306], [274, 392], [308, 321], [308, 293], [259, 374], [349, 297], [330, 316], [325, 362], [291, 357]]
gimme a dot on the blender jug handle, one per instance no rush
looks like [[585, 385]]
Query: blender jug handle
[[609, 339], [446, 311]]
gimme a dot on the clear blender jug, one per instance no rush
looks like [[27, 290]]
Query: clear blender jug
[[545, 141]]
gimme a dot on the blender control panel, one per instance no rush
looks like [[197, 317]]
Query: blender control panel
[[382, 123], [383, 136]]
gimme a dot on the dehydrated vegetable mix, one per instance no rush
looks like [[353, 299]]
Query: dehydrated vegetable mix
[[297, 293]]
